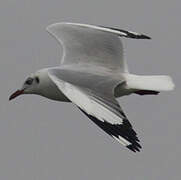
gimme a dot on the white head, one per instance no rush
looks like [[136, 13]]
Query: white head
[[30, 86]]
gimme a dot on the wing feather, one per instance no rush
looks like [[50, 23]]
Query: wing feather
[[107, 115], [87, 45]]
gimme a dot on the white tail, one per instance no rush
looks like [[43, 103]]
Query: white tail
[[150, 83]]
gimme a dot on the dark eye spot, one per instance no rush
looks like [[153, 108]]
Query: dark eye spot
[[37, 79], [29, 81]]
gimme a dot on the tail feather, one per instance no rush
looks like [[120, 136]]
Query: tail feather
[[151, 84]]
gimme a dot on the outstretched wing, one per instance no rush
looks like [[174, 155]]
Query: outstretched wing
[[104, 111], [88, 45]]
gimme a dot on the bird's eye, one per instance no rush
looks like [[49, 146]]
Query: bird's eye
[[29, 81], [37, 79]]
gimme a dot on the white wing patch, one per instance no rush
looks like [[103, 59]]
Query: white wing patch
[[121, 140]]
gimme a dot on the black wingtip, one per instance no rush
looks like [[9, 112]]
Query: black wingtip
[[134, 147], [124, 130], [137, 36], [128, 34], [142, 36]]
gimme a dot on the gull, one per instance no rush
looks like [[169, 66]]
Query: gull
[[92, 74]]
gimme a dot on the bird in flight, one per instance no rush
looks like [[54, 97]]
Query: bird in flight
[[92, 74]]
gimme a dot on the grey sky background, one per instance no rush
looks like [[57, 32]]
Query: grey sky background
[[42, 139]]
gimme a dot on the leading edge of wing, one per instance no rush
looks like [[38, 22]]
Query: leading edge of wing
[[117, 31]]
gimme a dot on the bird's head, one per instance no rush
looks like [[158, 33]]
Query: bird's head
[[30, 86]]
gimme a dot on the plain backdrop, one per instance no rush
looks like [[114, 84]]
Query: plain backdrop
[[42, 139]]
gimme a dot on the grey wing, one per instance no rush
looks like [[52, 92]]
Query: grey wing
[[87, 45], [102, 108]]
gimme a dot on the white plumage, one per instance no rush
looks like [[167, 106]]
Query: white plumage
[[91, 74]]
